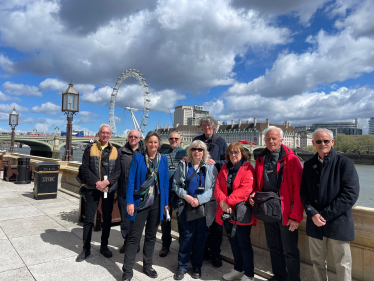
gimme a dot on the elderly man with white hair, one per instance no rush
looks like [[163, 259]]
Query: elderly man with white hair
[[278, 170], [329, 189]]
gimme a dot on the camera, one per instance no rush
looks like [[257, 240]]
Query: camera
[[228, 217]]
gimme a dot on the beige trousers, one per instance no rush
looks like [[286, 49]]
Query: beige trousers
[[342, 256]]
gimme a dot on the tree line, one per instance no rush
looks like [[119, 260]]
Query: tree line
[[351, 144]]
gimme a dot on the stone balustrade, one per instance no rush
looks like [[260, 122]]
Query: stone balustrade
[[362, 248]]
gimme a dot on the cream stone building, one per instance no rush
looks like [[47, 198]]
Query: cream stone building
[[251, 132]]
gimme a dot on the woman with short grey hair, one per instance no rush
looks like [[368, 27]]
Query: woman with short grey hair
[[194, 182]]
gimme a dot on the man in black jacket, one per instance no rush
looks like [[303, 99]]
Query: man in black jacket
[[329, 189], [126, 153], [99, 174], [217, 147]]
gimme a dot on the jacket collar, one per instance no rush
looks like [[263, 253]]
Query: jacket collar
[[98, 144], [328, 157], [282, 154]]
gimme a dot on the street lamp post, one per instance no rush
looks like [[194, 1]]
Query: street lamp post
[[70, 106], [35, 130], [57, 129], [13, 122]]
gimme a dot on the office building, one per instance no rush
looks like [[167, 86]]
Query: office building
[[371, 126], [346, 128], [189, 115]]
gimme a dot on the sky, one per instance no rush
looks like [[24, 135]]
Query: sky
[[286, 60]]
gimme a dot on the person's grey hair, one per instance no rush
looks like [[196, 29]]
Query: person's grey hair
[[104, 125], [209, 120], [197, 143], [153, 134], [174, 132], [270, 128], [323, 130]]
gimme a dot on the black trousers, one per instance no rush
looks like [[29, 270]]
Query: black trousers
[[92, 201], [125, 222], [149, 217], [215, 239], [284, 252]]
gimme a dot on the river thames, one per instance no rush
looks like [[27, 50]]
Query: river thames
[[365, 173]]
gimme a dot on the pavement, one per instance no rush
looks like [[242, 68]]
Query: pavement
[[40, 239]]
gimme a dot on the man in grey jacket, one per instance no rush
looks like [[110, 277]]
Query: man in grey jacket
[[126, 153]]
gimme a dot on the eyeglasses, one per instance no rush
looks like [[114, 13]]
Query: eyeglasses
[[105, 133], [234, 152], [197, 149], [133, 137], [320, 141], [173, 139]]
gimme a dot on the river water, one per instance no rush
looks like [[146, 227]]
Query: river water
[[365, 173]]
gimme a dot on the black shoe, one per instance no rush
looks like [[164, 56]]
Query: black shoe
[[106, 252], [217, 262], [124, 278], [150, 272], [164, 252], [82, 256], [196, 273], [179, 275]]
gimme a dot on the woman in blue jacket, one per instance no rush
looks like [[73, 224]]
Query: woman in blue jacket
[[149, 173]]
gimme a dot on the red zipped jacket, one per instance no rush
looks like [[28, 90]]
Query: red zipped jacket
[[292, 207], [241, 188]]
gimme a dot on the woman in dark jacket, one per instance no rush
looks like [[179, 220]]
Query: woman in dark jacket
[[234, 185], [196, 189], [148, 207]]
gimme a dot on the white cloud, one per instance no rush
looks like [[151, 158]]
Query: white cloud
[[21, 89], [47, 108], [7, 108], [341, 105], [6, 64], [184, 45], [4, 97], [88, 114], [302, 9], [334, 58], [83, 120], [54, 84], [359, 21], [214, 107]]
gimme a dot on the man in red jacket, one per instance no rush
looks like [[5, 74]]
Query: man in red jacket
[[281, 236]]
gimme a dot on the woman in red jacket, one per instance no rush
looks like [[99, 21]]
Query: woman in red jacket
[[233, 185]]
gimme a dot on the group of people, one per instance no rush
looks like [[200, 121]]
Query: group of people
[[205, 185]]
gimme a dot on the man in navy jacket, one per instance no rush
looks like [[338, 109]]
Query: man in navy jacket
[[329, 189]]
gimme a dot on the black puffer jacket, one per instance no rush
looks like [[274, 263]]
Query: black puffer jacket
[[126, 154]]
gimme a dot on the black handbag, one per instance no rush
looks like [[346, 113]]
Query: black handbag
[[243, 212], [268, 205], [194, 213]]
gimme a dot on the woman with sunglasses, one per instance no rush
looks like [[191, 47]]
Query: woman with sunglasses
[[146, 198], [234, 184], [194, 181]]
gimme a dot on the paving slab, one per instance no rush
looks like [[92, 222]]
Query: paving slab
[[47, 247], [68, 219], [30, 198], [20, 274], [19, 212], [9, 258], [55, 208], [2, 234], [12, 202], [6, 193], [30, 226], [68, 269]]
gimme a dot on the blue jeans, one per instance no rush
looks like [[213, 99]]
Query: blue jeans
[[284, 252], [192, 237], [241, 247]]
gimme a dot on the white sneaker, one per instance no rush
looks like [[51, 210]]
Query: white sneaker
[[246, 278], [233, 275]]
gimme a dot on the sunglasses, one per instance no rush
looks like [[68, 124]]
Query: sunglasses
[[104, 133], [197, 149], [320, 141], [133, 137], [174, 139], [234, 152]]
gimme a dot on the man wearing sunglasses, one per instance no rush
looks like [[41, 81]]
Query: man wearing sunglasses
[[329, 189], [174, 154], [126, 153]]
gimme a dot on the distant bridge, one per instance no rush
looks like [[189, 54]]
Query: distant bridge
[[49, 146]]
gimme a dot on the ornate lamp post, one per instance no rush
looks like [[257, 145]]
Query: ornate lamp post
[[57, 129], [35, 130], [13, 122], [70, 106]]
